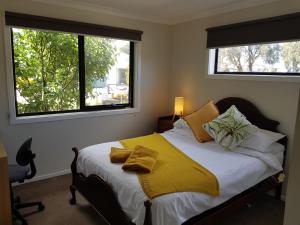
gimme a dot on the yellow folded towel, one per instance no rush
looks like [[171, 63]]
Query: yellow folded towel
[[141, 160], [119, 155]]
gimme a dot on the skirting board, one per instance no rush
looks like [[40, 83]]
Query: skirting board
[[45, 176]]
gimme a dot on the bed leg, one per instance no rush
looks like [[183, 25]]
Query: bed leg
[[148, 215], [73, 193], [74, 174], [74, 162]]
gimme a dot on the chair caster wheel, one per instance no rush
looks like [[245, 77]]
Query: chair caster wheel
[[72, 201], [41, 207]]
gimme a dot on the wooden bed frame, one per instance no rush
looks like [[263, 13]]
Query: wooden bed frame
[[101, 196]]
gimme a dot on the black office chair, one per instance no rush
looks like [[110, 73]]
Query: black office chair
[[19, 173]]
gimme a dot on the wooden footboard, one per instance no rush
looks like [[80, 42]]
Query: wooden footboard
[[101, 196]]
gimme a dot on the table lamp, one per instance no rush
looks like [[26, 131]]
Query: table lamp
[[178, 107]]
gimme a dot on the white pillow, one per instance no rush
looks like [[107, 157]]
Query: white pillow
[[276, 148], [181, 127], [181, 124], [261, 140]]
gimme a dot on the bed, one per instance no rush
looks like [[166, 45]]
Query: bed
[[117, 196]]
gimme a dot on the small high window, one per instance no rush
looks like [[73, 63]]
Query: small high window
[[267, 59], [264, 47]]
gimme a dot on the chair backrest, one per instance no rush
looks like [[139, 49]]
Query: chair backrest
[[25, 157]]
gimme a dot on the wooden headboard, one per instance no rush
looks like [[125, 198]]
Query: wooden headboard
[[251, 112]]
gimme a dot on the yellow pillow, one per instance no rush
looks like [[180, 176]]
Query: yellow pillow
[[195, 120]]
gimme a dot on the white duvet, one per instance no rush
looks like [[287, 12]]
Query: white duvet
[[235, 171]]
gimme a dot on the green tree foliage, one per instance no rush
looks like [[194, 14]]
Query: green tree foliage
[[291, 56], [242, 59], [271, 53], [252, 52], [231, 56], [100, 55], [46, 68]]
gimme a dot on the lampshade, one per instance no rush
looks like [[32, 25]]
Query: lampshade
[[178, 106]]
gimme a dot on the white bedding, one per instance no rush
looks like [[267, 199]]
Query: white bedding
[[235, 172]]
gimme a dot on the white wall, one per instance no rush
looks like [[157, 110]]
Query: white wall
[[52, 141], [292, 216], [277, 100]]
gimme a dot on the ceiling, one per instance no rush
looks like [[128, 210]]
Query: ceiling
[[160, 11]]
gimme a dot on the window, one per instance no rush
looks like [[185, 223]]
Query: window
[[266, 47], [266, 59], [64, 66], [46, 71], [60, 72], [104, 59]]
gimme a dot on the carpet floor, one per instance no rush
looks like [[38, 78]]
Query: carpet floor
[[55, 195]]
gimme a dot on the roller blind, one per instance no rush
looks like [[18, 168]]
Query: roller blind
[[275, 29], [46, 23]]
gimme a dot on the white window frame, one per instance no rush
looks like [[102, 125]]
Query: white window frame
[[210, 72], [72, 115]]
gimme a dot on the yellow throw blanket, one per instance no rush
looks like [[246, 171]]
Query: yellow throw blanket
[[141, 160], [173, 171], [119, 155]]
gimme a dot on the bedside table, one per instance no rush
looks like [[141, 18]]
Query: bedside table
[[165, 123]]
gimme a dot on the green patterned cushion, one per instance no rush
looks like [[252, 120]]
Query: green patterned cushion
[[230, 128]]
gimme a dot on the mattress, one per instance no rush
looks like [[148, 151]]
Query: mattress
[[235, 172]]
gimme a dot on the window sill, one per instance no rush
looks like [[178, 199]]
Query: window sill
[[277, 78], [72, 115]]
